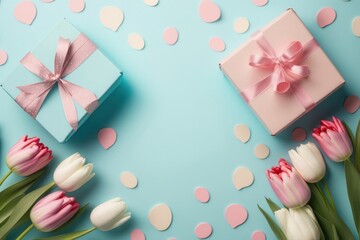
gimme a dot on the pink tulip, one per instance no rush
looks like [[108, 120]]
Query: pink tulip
[[334, 140], [53, 211], [288, 185], [28, 156]]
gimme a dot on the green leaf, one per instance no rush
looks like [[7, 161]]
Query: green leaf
[[350, 133], [274, 227], [22, 208], [353, 189], [8, 209], [272, 205], [69, 236], [357, 148], [326, 226], [335, 235], [17, 189], [78, 214], [317, 203]]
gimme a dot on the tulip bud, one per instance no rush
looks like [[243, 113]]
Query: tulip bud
[[28, 156], [298, 224], [110, 214], [71, 173], [288, 185], [308, 161], [334, 140], [53, 211]]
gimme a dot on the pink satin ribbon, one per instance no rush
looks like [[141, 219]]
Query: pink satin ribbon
[[68, 57], [286, 69]]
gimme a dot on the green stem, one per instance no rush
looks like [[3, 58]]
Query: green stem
[[87, 231], [5, 177], [329, 194], [25, 232]]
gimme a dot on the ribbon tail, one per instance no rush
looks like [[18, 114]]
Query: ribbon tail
[[85, 98], [254, 90], [32, 96], [69, 107], [305, 99]]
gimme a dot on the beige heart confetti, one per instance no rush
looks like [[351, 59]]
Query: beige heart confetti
[[111, 17], [242, 178], [261, 151]]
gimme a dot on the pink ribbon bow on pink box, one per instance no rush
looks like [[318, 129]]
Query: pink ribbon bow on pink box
[[286, 69], [69, 56]]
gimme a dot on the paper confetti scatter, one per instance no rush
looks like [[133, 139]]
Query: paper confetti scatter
[[128, 180], [242, 178], [209, 11], [107, 137], [203, 230]]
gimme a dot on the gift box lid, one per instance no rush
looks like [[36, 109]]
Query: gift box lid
[[97, 74], [277, 111]]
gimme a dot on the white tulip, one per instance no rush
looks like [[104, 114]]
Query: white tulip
[[110, 214], [71, 173], [309, 162], [298, 224]]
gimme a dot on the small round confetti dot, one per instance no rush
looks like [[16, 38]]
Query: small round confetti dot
[[202, 194], [260, 3], [3, 57], [137, 234], [326, 16], [129, 180], [136, 41], [356, 26], [262, 151], [160, 216], [241, 25], [151, 3], [203, 230], [298, 134], [77, 6], [217, 44], [352, 104], [242, 132], [209, 11], [171, 35], [258, 235]]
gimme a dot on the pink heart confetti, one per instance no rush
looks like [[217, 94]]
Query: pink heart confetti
[[326, 16], [258, 235], [217, 44], [3, 57], [260, 3], [299, 134], [202, 194], [137, 234], [235, 215], [209, 11], [203, 230], [107, 137], [25, 12], [352, 104], [77, 6], [171, 36]]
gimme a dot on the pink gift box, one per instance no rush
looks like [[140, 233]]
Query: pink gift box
[[289, 73]]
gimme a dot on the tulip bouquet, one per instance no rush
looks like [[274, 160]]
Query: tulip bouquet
[[27, 158], [310, 211]]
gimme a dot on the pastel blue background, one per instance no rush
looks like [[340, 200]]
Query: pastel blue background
[[175, 112]]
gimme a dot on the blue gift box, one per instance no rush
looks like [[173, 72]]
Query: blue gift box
[[97, 74]]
